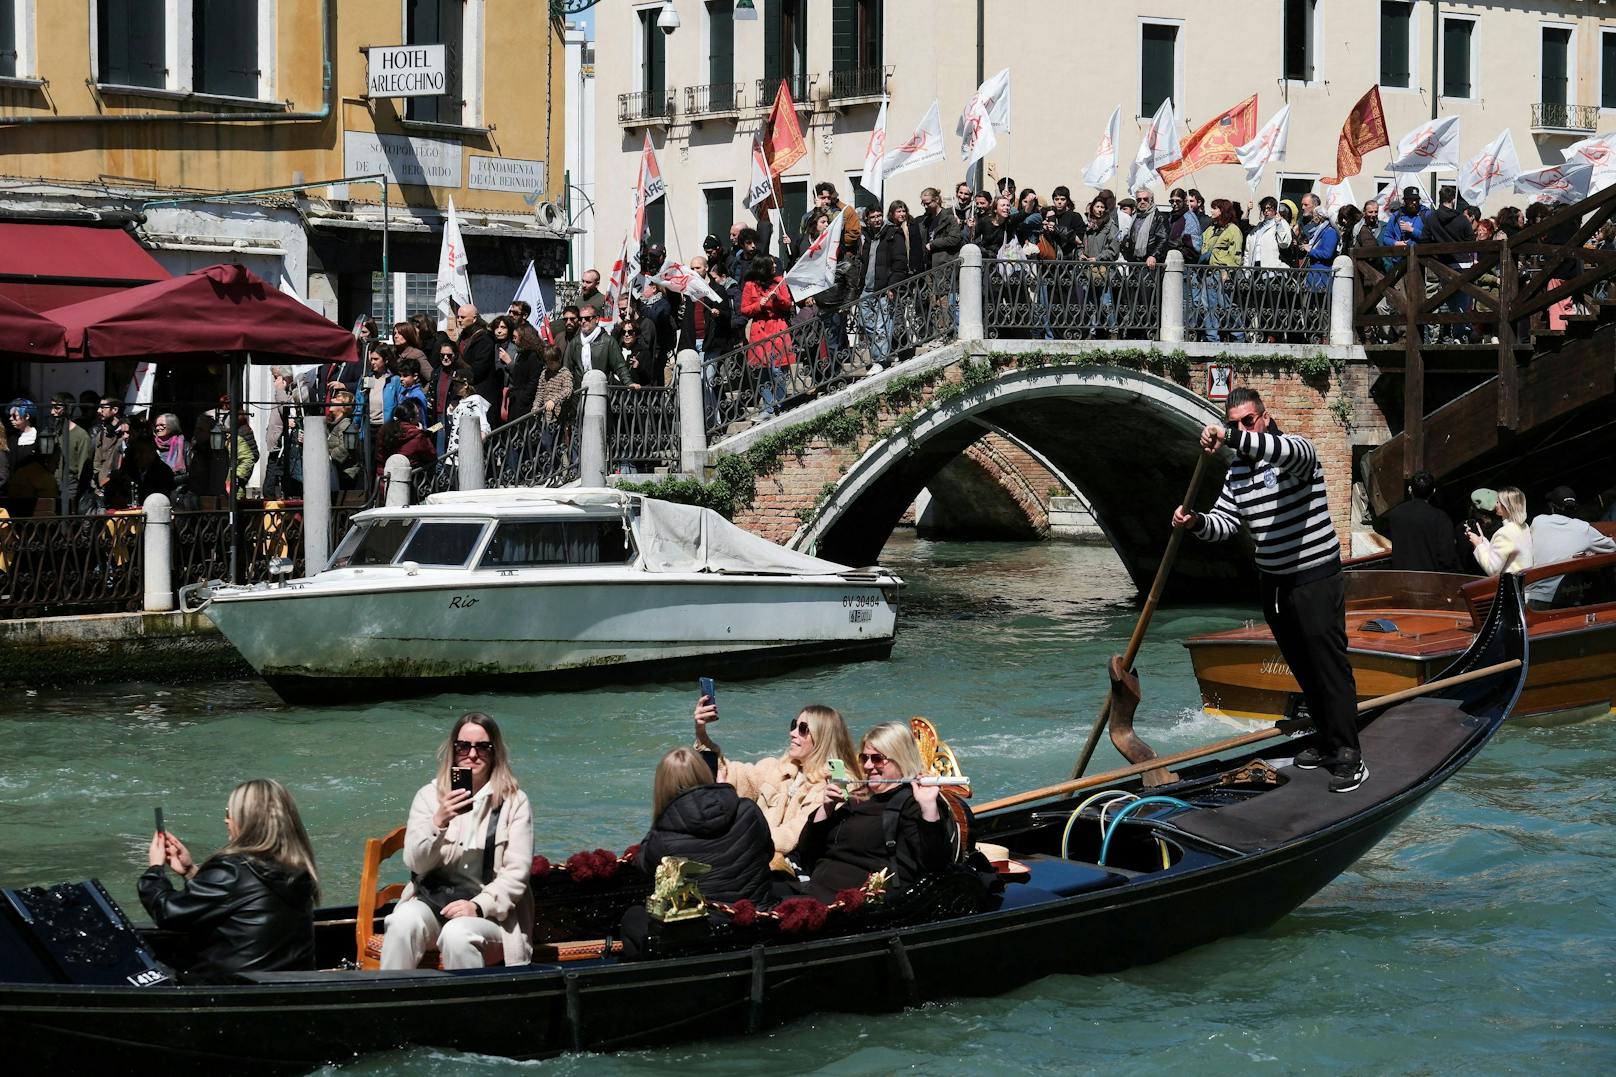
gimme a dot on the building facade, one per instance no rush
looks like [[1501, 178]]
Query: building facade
[[578, 199], [112, 109], [1545, 70]]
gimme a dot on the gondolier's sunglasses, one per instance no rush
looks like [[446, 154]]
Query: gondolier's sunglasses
[[1249, 421], [466, 747], [798, 726], [872, 759]]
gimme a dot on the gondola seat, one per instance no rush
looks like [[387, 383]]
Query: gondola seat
[[367, 940], [1066, 877]]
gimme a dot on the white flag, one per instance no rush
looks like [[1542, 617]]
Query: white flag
[[1267, 147], [1104, 165], [979, 138], [993, 96], [1333, 196], [1392, 197], [760, 188], [1157, 150], [923, 147], [454, 269], [138, 397], [1599, 151], [874, 150], [1431, 146], [1494, 168], [1562, 183], [624, 270], [651, 186], [678, 278], [815, 271], [530, 293]]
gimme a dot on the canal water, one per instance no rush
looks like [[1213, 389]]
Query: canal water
[[1480, 937]]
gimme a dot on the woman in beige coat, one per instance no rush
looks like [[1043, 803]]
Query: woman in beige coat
[[788, 788], [447, 839]]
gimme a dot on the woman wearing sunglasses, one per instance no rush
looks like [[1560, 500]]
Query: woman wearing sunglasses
[[470, 855], [791, 786], [897, 826]]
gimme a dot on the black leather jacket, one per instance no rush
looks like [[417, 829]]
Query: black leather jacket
[[241, 915]]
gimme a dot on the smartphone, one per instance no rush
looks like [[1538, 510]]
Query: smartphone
[[460, 778], [711, 759], [159, 815], [838, 770], [708, 689]]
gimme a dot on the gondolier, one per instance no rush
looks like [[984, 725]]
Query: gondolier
[[1275, 487]]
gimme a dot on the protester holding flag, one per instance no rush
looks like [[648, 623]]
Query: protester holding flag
[[767, 304]]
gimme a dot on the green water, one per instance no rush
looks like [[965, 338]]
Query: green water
[[1478, 939]]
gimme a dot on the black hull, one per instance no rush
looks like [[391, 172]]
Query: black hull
[[766, 662]]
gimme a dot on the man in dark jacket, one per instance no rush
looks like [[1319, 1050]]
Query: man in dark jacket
[[477, 352], [594, 349], [1421, 533], [1146, 240], [942, 228], [1068, 228]]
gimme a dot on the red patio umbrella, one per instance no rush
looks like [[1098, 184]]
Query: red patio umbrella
[[27, 334], [196, 317]]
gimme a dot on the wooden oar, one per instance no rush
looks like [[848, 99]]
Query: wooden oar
[[1138, 637], [1241, 741]]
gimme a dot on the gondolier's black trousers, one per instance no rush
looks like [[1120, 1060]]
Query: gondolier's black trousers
[[1309, 622]]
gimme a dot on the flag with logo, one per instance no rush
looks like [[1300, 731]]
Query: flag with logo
[[454, 270], [680, 278], [1392, 196], [978, 137], [1599, 151], [874, 150], [624, 270], [760, 186], [815, 271], [651, 185], [1431, 146], [1104, 165], [1493, 169], [1215, 142], [783, 144], [1158, 149], [1334, 196], [1364, 130], [993, 98], [923, 147], [1559, 184], [1268, 146]]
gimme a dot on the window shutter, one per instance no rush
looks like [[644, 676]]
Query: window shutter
[[875, 32], [844, 35], [1556, 43], [1607, 70], [772, 52], [8, 45], [1394, 29], [131, 42], [720, 211], [1156, 66], [720, 43], [1456, 58]]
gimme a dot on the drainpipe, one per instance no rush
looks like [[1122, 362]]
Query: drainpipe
[[1436, 75], [327, 85]]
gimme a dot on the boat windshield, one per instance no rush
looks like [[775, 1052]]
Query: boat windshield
[[371, 544], [443, 543], [1373, 589], [522, 543]]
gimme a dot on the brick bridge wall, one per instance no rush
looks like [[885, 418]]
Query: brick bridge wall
[[993, 490]]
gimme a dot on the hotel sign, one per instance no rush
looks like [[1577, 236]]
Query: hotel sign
[[408, 70], [419, 162], [505, 174]]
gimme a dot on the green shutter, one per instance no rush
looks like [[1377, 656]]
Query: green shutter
[[721, 44], [1556, 65], [795, 196], [1456, 57], [720, 211], [771, 46], [1158, 45], [656, 219], [1607, 70], [224, 43], [844, 43], [1298, 59], [8, 44], [875, 32], [1395, 19], [130, 43]]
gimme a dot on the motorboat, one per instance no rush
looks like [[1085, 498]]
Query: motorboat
[[1108, 873], [547, 588], [1403, 627]]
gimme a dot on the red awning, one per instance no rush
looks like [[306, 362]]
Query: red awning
[[223, 309], [26, 334], [51, 265]]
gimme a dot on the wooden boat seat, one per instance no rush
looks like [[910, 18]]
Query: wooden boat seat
[[1400, 749], [367, 939], [550, 953]]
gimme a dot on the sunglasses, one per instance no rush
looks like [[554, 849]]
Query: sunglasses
[[1249, 421], [801, 727], [872, 759], [466, 747]]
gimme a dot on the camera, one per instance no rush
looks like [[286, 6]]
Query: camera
[[668, 20]]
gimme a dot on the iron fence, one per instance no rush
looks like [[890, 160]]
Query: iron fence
[[642, 427], [858, 82], [55, 565], [644, 106], [1070, 299], [713, 98], [1251, 304], [532, 452], [800, 84], [1565, 117]]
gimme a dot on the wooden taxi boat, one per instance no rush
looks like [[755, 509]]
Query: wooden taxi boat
[[1236, 842], [1403, 627]]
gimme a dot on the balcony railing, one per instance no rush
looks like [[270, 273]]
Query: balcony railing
[[1552, 117], [859, 83], [645, 107], [800, 84], [714, 99]]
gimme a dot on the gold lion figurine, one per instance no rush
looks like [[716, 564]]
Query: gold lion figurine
[[674, 893]]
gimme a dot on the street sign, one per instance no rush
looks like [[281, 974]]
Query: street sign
[[408, 70]]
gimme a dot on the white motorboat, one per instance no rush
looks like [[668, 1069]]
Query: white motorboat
[[548, 588]]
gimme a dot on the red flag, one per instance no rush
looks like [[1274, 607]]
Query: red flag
[[546, 334], [1214, 142], [782, 134], [1364, 130]]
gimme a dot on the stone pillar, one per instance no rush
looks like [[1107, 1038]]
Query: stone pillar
[[592, 432], [692, 415], [157, 553], [1341, 300], [316, 494], [397, 472], [469, 470], [971, 327], [1172, 299]]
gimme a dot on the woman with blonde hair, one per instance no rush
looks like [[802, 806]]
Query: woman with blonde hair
[[696, 818], [788, 787], [250, 906], [470, 853], [897, 826], [1510, 548]]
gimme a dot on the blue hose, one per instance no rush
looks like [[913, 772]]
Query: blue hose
[[1105, 846]]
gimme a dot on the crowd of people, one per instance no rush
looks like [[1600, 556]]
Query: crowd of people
[[779, 828]]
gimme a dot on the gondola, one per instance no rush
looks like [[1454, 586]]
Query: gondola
[[1233, 845]]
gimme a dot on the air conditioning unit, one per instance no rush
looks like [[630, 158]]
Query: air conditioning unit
[[547, 214]]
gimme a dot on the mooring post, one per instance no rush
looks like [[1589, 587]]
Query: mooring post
[[397, 472], [156, 554], [692, 415], [592, 435], [1172, 299], [470, 472], [1341, 301], [316, 494], [971, 326]]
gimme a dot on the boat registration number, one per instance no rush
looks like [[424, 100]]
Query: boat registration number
[[865, 601], [856, 616]]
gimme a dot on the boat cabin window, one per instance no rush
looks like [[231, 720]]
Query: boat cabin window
[[373, 543], [522, 543], [446, 543]]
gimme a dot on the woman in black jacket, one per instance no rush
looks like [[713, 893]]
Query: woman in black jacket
[[250, 906], [901, 252], [700, 820]]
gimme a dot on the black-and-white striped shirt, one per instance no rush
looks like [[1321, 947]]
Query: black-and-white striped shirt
[[1275, 487]]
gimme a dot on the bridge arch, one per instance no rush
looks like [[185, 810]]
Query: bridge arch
[[1126, 438]]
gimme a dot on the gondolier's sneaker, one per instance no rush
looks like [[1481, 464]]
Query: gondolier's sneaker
[[1309, 759], [1349, 772]]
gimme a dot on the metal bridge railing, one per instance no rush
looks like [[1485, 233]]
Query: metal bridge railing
[[642, 427], [1070, 300], [1250, 304], [54, 565]]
